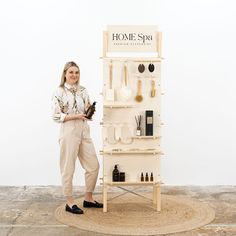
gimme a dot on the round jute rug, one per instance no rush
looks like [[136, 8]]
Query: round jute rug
[[132, 215]]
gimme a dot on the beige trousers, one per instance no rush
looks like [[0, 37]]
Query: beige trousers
[[75, 142]]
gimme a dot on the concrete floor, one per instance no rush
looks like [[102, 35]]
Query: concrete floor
[[28, 211]]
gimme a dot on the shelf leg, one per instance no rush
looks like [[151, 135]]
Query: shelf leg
[[158, 193], [154, 195], [104, 198]]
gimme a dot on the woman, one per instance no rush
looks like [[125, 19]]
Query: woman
[[70, 101]]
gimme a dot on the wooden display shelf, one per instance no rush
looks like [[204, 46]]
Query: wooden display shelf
[[119, 70], [111, 152]]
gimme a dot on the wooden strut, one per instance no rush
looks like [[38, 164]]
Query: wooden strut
[[105, 43], [156, 59], [159, 44]]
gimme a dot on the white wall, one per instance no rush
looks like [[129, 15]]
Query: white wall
[[38, 37]]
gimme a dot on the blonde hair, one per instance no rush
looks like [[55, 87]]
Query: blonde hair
[[66, 67]]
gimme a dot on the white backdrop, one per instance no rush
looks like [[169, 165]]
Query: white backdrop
[[198, 75]]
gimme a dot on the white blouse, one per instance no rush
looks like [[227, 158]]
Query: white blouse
[[69, 100]]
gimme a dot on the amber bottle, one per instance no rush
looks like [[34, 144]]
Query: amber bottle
[[151, 178], [89, 113], [115, 174], [142, 177], [146, 177]]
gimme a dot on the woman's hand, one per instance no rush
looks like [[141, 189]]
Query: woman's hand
[[81, 116]]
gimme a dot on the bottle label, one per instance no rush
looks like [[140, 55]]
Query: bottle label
[[138, 132], [149, 120]]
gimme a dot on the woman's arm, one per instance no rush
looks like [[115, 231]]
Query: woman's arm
[[74, 117], [59, 109]]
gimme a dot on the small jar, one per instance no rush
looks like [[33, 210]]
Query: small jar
[[122, 176]]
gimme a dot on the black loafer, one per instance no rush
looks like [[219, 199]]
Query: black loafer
[[75, 209], [92, 204]]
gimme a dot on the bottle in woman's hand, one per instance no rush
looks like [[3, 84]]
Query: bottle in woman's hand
[[89, 113]]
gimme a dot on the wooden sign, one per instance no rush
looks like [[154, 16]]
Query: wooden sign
[[132, 38]]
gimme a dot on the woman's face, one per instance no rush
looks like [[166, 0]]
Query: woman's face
[[72, 75]]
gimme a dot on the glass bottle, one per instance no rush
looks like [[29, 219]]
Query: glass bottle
[[89, 113], [115, 174], [151, 178], [146, 177], [142, 177]]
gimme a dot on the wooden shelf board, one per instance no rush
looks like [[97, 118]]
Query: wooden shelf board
[[132, 183], [134, 59], [118, 105], [156, 152], [146, 137]]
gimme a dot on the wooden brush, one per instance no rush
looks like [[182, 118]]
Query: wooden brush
[[110, 93], [139, 96], [153, 91], [125, 92]]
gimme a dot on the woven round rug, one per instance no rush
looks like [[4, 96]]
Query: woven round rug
[[133, 215]]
